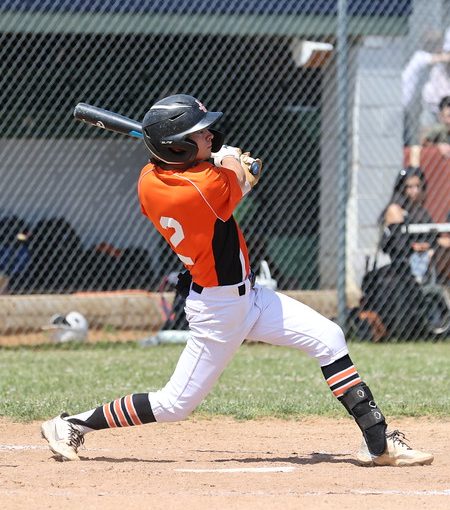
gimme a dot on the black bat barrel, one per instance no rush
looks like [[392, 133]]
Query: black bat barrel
[[105, 119]]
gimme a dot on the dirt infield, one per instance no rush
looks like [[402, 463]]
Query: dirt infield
[[221, 463]]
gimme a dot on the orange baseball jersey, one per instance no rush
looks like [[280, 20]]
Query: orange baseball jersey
[[193, 210]]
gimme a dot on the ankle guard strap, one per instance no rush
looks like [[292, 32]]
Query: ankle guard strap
[[358, 400]]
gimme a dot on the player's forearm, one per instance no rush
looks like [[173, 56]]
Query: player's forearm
[[234, 165]]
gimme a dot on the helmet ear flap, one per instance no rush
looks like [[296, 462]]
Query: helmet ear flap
[[185, 151], [217, 141]]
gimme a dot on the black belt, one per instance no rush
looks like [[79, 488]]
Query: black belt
[[241, 289], [199, 289]]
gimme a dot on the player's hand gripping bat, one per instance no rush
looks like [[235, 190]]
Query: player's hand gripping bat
[[112, 121]]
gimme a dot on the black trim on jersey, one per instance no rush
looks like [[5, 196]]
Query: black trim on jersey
[[226, 249]]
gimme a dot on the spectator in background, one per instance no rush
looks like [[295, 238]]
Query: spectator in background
[[414, 76], [406, 206], [413, 253], [436, 87], [392, 293], [439, 134], [14, 252]]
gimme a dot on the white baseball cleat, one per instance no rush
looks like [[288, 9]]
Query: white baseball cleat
[[397, 453], [63, 437]]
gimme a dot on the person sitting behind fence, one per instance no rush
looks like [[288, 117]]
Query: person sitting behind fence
[[406, 207], [439, 134], [392, 298], [14, 252]]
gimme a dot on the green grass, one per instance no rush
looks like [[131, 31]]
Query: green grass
[[407, 379]]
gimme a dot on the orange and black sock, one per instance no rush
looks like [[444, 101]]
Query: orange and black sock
[[341, 375], [127, 411]]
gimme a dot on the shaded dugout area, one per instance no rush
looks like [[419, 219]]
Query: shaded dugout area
[[127, 72]]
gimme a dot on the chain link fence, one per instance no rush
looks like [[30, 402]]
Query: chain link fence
[[336, 97]]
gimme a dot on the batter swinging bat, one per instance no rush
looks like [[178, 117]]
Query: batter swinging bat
[[112, 121]]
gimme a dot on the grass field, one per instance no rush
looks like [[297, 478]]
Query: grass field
[[408, 379]]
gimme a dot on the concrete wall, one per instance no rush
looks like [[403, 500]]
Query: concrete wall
[[375, 127]]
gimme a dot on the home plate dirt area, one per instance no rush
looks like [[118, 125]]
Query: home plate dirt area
[[221, 463]]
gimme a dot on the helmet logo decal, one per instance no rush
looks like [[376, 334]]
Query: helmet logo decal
[[201, 106]]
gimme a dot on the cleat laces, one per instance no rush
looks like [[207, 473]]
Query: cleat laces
[[398, 437], [76, 438]]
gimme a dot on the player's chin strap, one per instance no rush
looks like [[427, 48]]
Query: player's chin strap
[[358, 400]]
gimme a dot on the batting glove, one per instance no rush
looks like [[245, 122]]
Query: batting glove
[[246, 162], [226, 150]]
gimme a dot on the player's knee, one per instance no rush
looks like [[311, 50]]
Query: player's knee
[[331, 344], [336, 337], [170, 406], [175, 412]]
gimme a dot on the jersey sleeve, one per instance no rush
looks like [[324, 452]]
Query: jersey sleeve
[[218, 186], [226, 193], [146, 170]]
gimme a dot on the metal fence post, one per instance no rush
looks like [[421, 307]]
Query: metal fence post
[[342, 107]]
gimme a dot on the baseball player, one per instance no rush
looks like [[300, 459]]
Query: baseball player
[[190, 200]]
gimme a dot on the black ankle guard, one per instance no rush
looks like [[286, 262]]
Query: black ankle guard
[[358, 401]]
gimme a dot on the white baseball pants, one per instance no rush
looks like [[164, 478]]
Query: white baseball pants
[[220, 320]]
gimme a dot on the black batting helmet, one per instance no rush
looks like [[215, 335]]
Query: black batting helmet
[[168, 124]]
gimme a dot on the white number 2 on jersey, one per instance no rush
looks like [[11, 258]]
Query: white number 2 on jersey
[[176, 237]]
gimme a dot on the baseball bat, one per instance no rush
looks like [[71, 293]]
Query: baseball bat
[[110, 121], [117, 123]]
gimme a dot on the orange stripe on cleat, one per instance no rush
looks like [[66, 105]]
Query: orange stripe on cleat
[[338, 392], [131, 410], [109, 416], [341, 375]]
